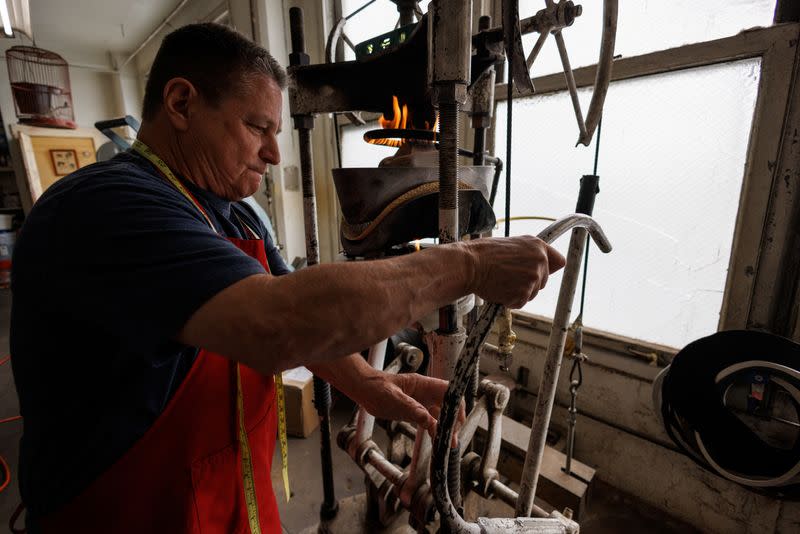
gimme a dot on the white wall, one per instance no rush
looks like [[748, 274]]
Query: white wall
[[92, 96]]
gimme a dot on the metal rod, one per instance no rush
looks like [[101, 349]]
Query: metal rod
[[509, 496], [392, 473], [322, 400], [604, 67], [448, 192], [322, 390], [464, 367], [297, 30], [570, 78], [419, 468], [571, 422], [365, 421], [536, 49], [547, 388], [406, 10], [360, 9]]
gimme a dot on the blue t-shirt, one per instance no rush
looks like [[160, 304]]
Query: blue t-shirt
[[109, 265]]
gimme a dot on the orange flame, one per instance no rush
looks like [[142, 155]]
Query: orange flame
[[399, 121], [399, 118]]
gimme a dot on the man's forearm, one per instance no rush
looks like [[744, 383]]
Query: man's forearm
[[344, 308], [318, 314]]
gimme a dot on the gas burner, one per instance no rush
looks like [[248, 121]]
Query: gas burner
[[400, 136]]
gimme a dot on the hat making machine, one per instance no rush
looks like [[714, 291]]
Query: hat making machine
[[432, 69]]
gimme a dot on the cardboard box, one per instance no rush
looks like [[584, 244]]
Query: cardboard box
[[301, 416]]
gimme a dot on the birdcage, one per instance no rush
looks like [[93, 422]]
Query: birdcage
[[40, 86]]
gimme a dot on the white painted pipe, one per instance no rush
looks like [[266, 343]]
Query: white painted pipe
[[365, 422]]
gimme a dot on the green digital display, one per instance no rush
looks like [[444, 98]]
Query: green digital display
[[384, 42]]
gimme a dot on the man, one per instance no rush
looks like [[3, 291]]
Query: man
[[150, 312]]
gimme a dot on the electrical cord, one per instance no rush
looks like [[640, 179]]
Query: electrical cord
[[4, 468]]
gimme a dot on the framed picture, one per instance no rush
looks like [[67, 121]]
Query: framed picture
[[65, 161], [49, 154]]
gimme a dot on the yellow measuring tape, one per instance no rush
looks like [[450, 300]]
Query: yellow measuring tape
[[282, 434], [247, 462], [248, 481]]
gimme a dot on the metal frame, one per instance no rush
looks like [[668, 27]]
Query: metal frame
[[761, 241]]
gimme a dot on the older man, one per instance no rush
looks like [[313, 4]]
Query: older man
[[150, 313]]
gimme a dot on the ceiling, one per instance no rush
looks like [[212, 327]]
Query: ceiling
[[86, 30]]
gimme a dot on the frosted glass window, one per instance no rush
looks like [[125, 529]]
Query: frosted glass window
[[671, 163], [646, 26], [379, 17], [358, 153]]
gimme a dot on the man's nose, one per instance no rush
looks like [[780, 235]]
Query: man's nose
[[269, 151]]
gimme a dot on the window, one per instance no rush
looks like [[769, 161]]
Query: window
[[358, 153], [673, 153], [672, 156], [648, 25]]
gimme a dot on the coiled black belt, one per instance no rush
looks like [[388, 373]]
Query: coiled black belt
[[690, 396]]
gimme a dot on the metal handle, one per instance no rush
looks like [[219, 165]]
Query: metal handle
[[581, 224]]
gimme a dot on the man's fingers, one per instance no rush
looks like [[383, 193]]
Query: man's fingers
[[555, 260], [419, 414]]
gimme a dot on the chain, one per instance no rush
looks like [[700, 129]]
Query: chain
[[577, 354]]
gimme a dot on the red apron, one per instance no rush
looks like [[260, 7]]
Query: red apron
[[185, 474]]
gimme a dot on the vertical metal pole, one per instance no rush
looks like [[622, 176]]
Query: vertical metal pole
[[482, 108], [364, 420], [406, 10], [450, 48], [552, 365], [449, 109], [590, 187], [322, 390]]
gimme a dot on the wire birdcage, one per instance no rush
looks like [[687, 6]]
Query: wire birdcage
[[40, 86]]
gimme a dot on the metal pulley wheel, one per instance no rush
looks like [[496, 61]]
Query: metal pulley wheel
[[552, 20]]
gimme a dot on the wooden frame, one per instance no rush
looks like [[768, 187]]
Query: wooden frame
[[29, 179]]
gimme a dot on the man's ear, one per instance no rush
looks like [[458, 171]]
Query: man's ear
[[178, 96]]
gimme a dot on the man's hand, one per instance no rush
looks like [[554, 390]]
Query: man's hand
[[511, 271], [407, 397]]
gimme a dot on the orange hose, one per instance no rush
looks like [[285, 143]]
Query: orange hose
[[6, 474], [5, 359]]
